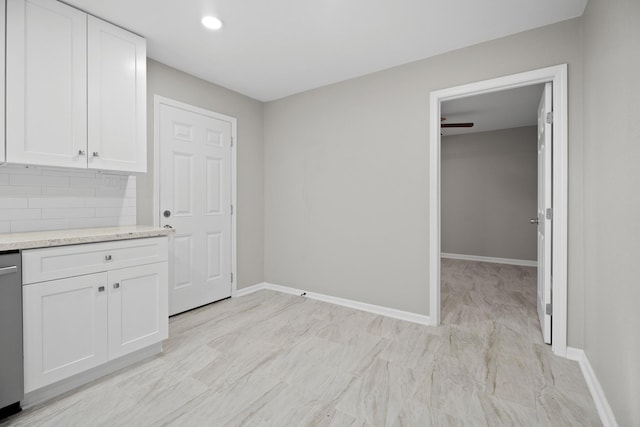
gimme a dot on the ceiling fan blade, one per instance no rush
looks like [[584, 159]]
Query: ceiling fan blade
[[456, 125]]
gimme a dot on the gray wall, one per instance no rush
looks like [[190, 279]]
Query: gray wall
[[171, 83], [489, 192], [612, 201], [346, 173]]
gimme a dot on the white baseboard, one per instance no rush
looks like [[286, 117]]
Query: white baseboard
[[522, 262], [249, 290], [371, 308], [599, 398]]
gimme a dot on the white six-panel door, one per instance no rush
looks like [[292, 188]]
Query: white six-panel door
[[544, 204], [195, 199]]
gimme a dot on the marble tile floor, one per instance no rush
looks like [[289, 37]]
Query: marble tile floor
[[271, 359]]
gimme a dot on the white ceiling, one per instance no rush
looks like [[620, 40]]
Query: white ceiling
[[271, 49], [505, 109]]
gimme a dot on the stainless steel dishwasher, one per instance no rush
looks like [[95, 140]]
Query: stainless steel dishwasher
[[11, 365]]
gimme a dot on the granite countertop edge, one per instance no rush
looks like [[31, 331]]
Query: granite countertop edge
[[45, 239]]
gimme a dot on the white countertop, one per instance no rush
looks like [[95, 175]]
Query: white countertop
[[43, 239]]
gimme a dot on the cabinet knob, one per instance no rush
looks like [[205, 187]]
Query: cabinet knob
[[107, 257], [116, 285], [95, 154], [101, 289], [81, 152]]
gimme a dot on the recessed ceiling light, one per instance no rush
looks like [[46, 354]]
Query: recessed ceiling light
[[212, 23]]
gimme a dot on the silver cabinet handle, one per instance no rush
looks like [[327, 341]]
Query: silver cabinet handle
[[101, 289], [116, 285], [534, 221], [107, 257], [81, 152], [8, 270], [95, 154]]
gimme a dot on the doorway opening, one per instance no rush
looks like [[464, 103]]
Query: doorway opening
[[557, 242]]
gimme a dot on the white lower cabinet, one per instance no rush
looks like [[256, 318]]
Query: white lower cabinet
[[77, 323], [65, 328], [138, 308]]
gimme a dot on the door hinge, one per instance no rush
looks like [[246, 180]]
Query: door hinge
[[549, 213], [550, 117], [231, 141], [549, 309], [231, 209], [232, 277]]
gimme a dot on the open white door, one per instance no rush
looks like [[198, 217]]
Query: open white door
[[195, 199], [545, 120]]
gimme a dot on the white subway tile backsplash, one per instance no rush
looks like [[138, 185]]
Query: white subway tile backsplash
[[105, 202], [13, 203], [34, 180], [68, 192], [39, 225], [55, 213], [10, 214], [95, 222], [56, 202], [121, 211], [37, 199], [9, 191], [71, 173]]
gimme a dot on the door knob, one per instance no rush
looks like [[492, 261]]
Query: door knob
[[534, 221], [166, 214]]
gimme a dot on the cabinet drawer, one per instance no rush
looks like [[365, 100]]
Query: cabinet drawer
[[43, 264]]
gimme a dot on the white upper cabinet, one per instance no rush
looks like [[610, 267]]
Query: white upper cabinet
[[76, 89], [46, 84], [117, 63]]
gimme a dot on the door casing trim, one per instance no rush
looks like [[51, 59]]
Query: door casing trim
[[558, 76], [157, 102]]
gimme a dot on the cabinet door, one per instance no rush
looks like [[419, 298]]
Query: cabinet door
[[46, 84], [138, 308], [117, 98], [65, 328]]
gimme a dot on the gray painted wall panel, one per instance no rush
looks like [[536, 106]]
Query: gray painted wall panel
[[346, 173], [489, 193], [612, 201]]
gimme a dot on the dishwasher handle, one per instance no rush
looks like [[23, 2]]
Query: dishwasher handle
[[8, 270]]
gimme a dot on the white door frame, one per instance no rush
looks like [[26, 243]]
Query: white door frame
[[157, 102], [558, 76]]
